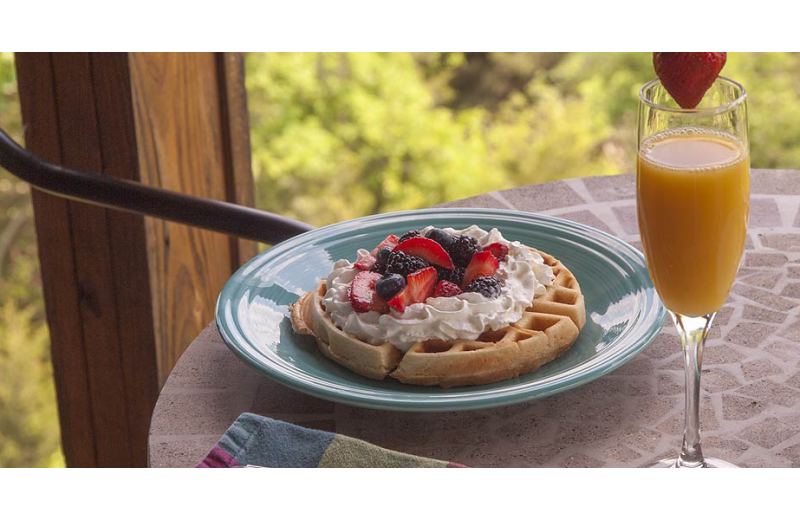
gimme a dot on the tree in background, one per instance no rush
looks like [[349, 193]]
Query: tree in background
[[773, 105], [337, 136], [342, 135], [29, 430]]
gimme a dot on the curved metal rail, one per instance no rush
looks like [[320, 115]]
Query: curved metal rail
[[214, 215]]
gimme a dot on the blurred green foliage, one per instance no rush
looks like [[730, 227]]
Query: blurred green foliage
[[337, 136], [347, 135], [29, 430]]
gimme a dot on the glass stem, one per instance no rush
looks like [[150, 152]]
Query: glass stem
[[693, 331]]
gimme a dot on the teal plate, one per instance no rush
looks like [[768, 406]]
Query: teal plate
[[623, 312]]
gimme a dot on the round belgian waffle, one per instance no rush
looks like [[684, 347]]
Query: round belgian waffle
[[547, 329]]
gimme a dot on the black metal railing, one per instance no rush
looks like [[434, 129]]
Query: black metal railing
[[124, 195]]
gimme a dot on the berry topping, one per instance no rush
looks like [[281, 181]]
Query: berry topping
[[365, 262], [389, 242], [482, 264], [688, 75], [455, 276], [445, 289], [488, 286], [381, 257], [426, 249], [362, 293], [498, 250], [441, 236], [420, 288], [403, 264], [411, 234], [390, 285], [462, 248]]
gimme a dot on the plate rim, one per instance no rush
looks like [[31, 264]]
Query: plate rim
[[657, 314]]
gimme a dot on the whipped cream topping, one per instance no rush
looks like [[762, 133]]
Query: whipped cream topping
[[523, 276]]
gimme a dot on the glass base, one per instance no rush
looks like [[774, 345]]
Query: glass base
[[707, 463]]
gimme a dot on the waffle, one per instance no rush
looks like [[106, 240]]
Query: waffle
[[547, 329]]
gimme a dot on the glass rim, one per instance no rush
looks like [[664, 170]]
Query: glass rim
[[705, 110]]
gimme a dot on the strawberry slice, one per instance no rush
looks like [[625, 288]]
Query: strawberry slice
[[499, 250], [482, 264], [427, 249], [688, 75], [362, 293], [419, 288], [445, 289], [390, 242], [365, 261]]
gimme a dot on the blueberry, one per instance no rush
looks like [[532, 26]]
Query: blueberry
[[383, 254], [381, 257], [441, 236], [389, 285]]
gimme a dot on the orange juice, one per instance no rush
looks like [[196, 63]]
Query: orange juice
[[693, 193]]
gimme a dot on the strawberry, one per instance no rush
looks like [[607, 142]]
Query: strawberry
[[419, 288], [482, 264], [427, 249], [362, 293], [498, 250], [445, 289], [364, 262], [687, 75], [390, 242]]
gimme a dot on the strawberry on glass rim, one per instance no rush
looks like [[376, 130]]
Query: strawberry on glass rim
[[688, 75]]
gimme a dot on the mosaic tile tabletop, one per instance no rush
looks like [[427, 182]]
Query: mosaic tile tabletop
[[750, 411]]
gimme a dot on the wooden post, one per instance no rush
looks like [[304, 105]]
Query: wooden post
[[191, 141], [125, 295]]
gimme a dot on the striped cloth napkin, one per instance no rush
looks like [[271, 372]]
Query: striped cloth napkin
[[254, 440]]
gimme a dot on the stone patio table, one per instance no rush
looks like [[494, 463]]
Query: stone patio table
[[750, 411]]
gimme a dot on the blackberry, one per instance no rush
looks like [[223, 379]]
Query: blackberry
[[401, 263], [462, 248], [455, 276], [488, 286], [381, 257], [411, 234]]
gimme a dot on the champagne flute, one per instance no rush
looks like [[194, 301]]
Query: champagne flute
[[692, 194]]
